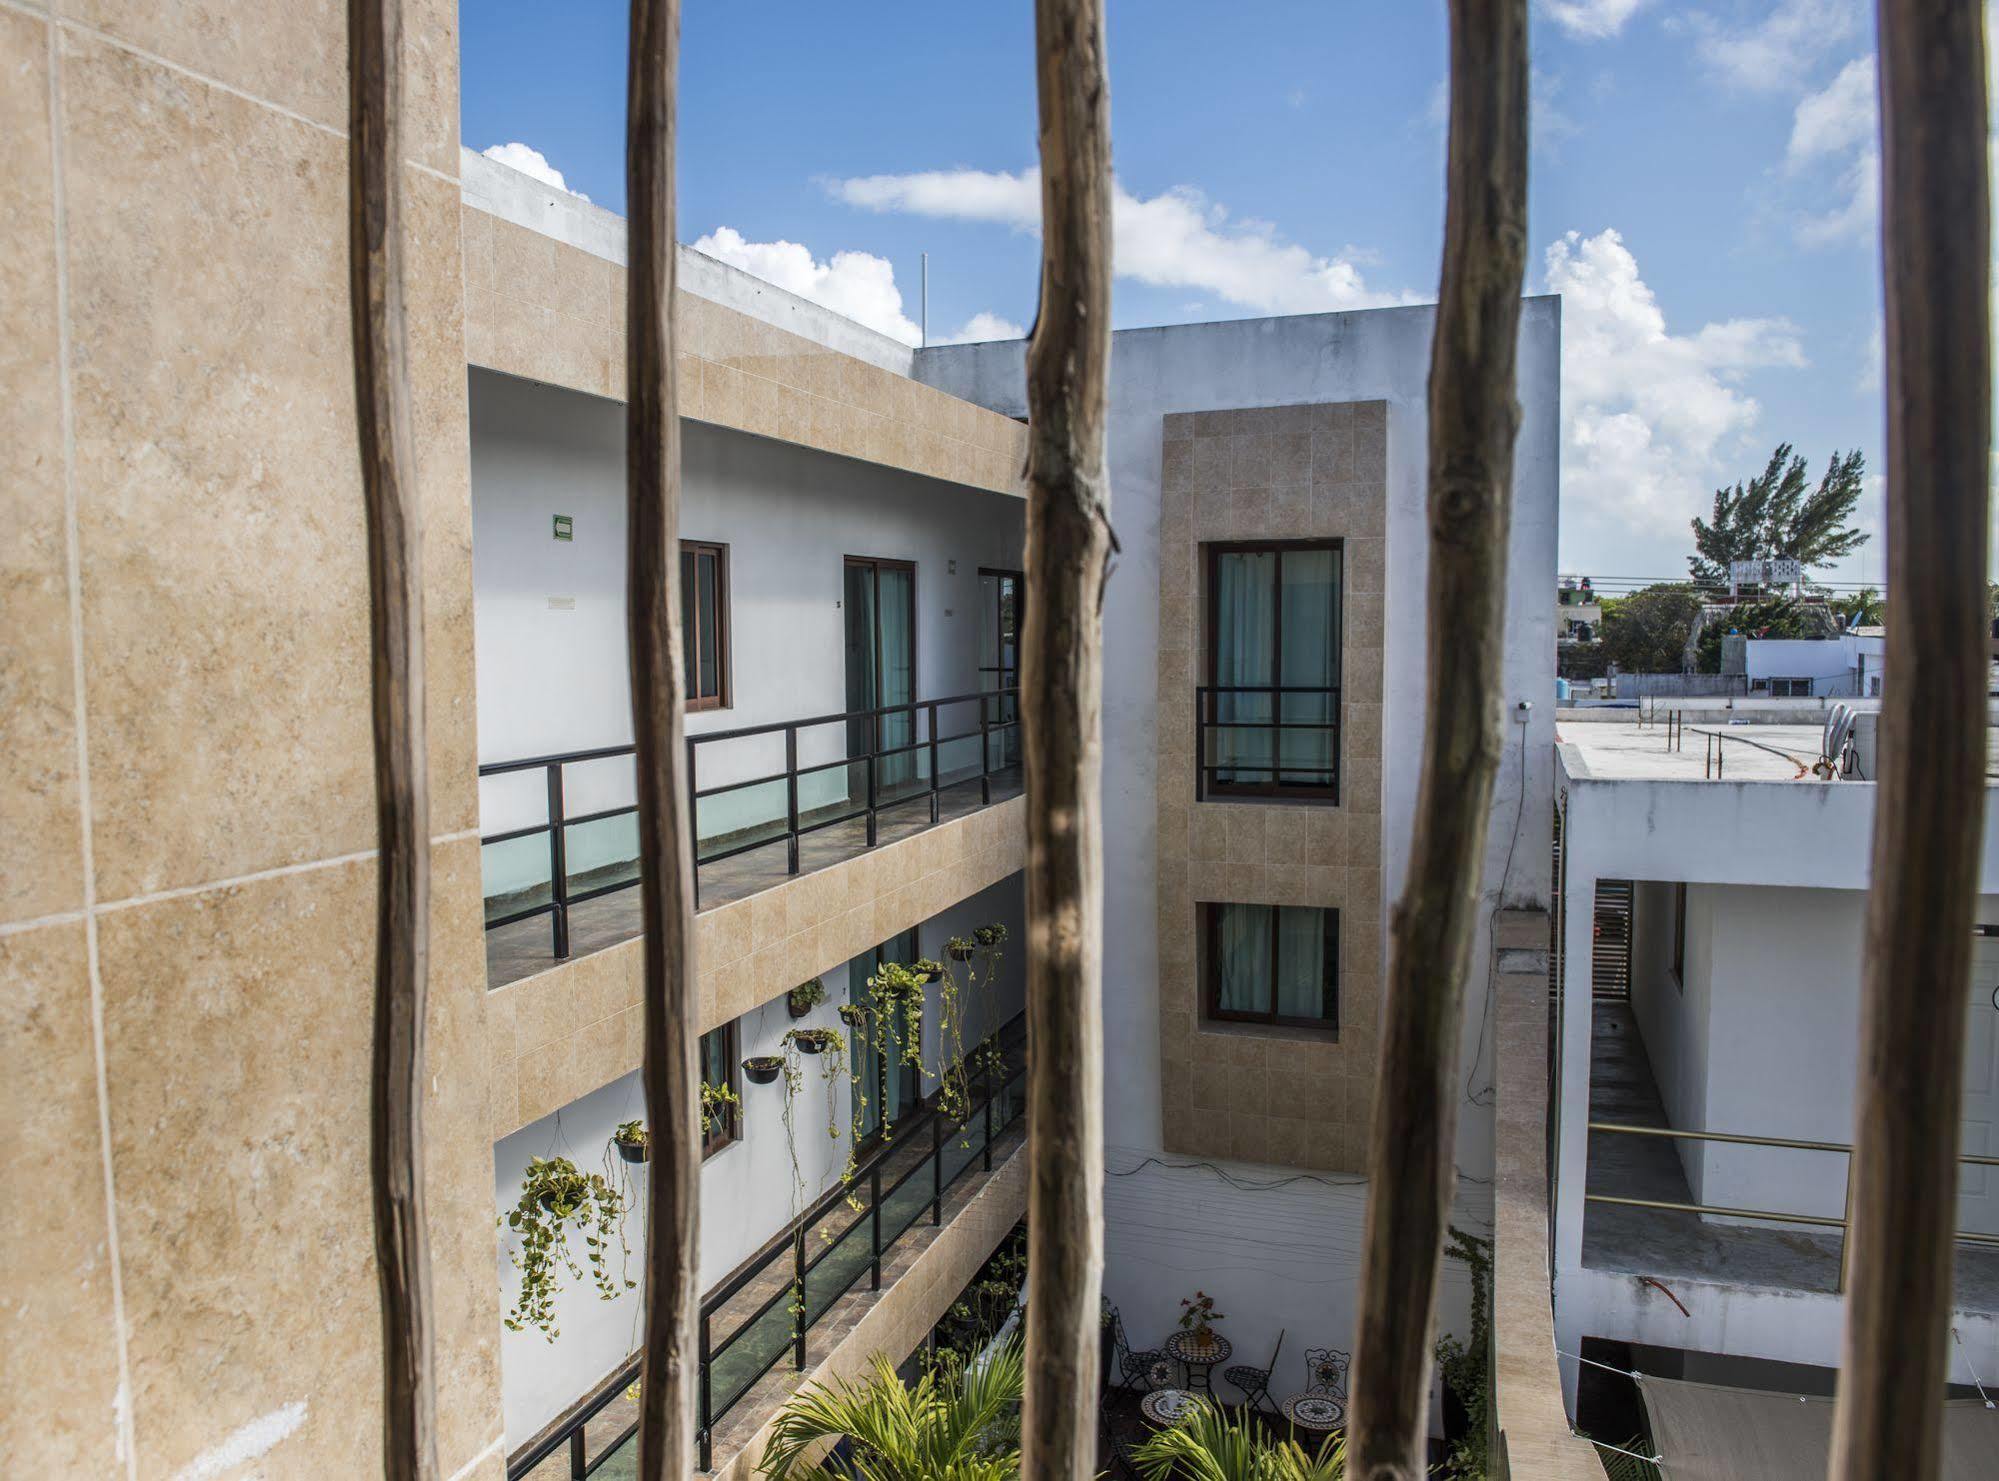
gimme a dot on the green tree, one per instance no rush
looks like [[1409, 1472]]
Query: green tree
[[953, 1424], [1865, 610], [1779, 514], [1646, 632], [1209, 1444], [1775, 617]]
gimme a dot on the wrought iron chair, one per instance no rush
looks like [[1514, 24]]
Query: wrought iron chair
[[1326, 1373], [1143, 1371], [1254, 1381], [1116, 1448]]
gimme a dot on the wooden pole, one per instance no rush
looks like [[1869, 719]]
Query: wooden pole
[[1929, 805], [1473, 419], [402, 783], [672, 1010], [1061, 684]]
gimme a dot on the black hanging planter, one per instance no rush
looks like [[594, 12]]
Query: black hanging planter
[[853, 1015], [959, 953], [811, 1040], [794, 1007], [634, 1151], [763, 1068]]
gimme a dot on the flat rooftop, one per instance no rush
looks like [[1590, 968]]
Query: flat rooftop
[[1624, 749]]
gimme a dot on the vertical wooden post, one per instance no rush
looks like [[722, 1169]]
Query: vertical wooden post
[[402, 783], [1929, 805], [1473, 419], [1061, 682], [672, 1023]]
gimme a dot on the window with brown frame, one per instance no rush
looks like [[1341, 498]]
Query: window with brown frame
[[1268, 714], [704, 623], [718, 1067], [1275, 964]]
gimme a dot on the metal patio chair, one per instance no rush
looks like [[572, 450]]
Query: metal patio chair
[[1326, 1373], [1254, 1381], [1142, 1371]]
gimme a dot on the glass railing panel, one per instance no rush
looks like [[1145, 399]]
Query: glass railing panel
[[846, 1260], [604, 851], [906, 1205], [734, 1369], [514, 874]]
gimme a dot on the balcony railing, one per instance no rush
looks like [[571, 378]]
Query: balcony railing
[[888, 759], [1292, 744], [1844, 1223], [735, 1354]]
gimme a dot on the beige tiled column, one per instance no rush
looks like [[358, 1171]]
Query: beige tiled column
[[186, 917]]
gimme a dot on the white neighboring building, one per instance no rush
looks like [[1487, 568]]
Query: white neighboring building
[[1796, 668], [1733, 1010]]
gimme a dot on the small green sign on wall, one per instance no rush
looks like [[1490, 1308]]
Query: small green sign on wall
[[565, 527]]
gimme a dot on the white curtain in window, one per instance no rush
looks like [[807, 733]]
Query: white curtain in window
[[1243, 958], [1301, 963], [1310, 639], [1245, 641]]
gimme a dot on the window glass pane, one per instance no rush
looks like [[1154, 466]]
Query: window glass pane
[[1309, 639], [687, 623], [1245, 640], [1303, 983], [1242, 958], [711, 625]]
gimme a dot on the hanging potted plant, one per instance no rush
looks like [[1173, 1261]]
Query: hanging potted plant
[[554, 1197], [719, 1107], [988, 937], [762, 1069], [960, 948], [854, 1015], [803, 998], [632, 1141], [812, 1040], [926, 971]]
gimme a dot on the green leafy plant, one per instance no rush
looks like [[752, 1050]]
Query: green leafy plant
[[1462, 1365], [990, 936], [1209, 1444], [805, 997], [960, 948], [953, 1424], [720, 1105], [555, 1197], [1198, 1315]]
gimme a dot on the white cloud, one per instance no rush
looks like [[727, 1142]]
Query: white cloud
[[531, 161], [983, 326], [1590, 20], [857, 284], [1177, 239], [1837, 117], [1838, 122], [1770, 55], [1648, 415]]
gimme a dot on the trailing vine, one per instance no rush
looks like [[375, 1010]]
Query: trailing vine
[[555, 1196], [1463, 1364]]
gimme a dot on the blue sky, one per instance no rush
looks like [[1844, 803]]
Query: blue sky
[[1701, 193]]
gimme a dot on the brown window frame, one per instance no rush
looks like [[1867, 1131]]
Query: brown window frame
[[1211, 967], [1322, 794], [729, 1130], [724, 696]]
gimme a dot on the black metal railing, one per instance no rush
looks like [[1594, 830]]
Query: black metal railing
[[732, 1362], [874, 784], [1237, 769]]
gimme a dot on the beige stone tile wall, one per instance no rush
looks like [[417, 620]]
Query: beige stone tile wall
[[187, 871], [563, 1033], [548, 311], [1274, 1095]]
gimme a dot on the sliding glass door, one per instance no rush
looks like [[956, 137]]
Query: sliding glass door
[[880, 605], [877, 1062]]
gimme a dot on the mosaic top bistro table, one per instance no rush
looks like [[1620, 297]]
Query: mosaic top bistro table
[[1165, 1406], [1315, 1412], [1199, 1356]]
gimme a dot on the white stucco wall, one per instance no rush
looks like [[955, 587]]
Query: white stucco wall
[[1764, 1041], [746, 1188], [1378, 354], [549, 615]]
